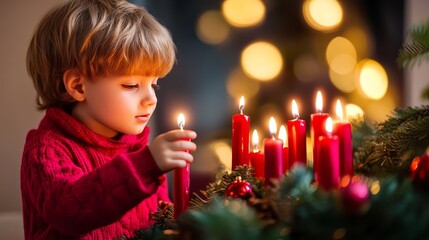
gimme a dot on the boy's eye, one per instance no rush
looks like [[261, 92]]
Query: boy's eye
[[156, 87], [130, 86]]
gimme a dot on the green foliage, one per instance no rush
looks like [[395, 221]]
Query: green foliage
[[416, 49], [395, 142]]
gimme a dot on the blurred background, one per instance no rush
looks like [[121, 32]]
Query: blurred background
[[269, 51]]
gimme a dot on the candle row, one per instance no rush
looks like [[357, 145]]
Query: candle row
[[332, 149]]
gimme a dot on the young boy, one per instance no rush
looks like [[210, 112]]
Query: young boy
[[87, 171]]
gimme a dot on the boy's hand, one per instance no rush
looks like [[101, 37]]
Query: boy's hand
[[172, 149]]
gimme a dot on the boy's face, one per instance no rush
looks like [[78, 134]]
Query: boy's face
[[117, 104]]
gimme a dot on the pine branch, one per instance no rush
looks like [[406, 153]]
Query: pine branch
[[395, 143], [417, 48]]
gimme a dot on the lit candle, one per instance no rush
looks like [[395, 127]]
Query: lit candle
[[283, 137], [297, 138], [343, 129], [318, 121], [181, 181], [273, 154], [240, 137], [329, 159], [257, 157]]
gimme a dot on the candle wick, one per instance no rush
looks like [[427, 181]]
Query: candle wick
[[241, 109]]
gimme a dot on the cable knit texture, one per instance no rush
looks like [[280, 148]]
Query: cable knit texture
[[76, 184]]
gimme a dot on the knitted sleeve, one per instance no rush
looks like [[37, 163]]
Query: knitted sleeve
[[74, 202]]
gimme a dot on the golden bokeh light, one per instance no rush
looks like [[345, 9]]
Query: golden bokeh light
[[372, 77], [341, 55], [239, 84], [223, 151], [344, 82], [262, 61], [359, 37], [353, 112], [212, 27], [323, 15], [243, 13]]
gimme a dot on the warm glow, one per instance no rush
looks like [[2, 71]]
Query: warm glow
[[255, 139], [223, 151], [243, 13], [283, 135], [353, 112], [212, 27], [295, 112], [238, 83], [373, 81], [262, 61], [323, 15], [241, 104], [341, 55], [181, 121], [329, 125], [319, 102], [273, 127], [339, 110], [344, 82]]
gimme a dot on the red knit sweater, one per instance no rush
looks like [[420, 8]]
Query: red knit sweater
[[76, 184]]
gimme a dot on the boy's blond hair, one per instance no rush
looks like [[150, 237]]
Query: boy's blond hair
[[98, 38]]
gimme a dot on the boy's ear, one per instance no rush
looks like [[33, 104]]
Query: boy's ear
[[74, 84]]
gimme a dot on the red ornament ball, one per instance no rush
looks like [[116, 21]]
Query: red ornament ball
[[355, 197], [239, 189], [419, 171]]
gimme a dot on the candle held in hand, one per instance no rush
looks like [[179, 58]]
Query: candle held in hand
[[240, 137], [273, 154], [181, 181], [257, 157]]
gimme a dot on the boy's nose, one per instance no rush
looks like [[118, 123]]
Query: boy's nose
[[149, 97]]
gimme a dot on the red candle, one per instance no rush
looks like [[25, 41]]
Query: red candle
[[329, 159], [273, 154], [240, 137], [318, 121], [343, 130], [257, 157], [297, 139], [283, 137], [181, 181]]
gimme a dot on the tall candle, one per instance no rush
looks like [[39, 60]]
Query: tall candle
[[273, 154], [343, 129], [240, 137], [257, 157], [181, 181], [329, 159], [318, 121], [283, 137], [297, 138]]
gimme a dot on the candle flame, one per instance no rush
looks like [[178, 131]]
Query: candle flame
[[255, 139], [339, 110], [273, 127], [295, 112], [319, 102], [328, 125], [181, 121], [241, 104], [283, 135]]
